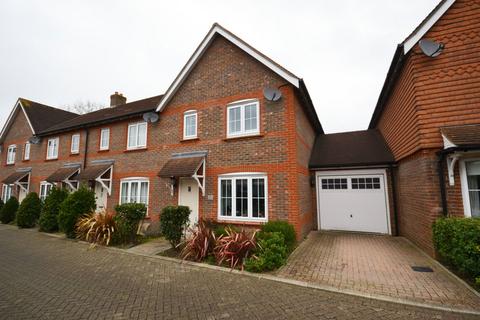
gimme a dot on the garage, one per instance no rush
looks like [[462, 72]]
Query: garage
[[352, 174], [353, 201]]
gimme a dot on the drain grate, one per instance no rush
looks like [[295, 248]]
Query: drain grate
[[422, 269]]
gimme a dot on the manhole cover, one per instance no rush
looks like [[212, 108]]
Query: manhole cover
[[422, 269]]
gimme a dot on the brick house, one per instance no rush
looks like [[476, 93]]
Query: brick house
[[212, 142]]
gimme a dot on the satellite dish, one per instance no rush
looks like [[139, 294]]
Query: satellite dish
[[272, 94], [34, 140], [431, 48], [150, 117]]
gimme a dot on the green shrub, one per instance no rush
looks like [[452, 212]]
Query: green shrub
[[271, 252], [77, 204], [29, 211], [127, 220], [457, 241], [1, 204], [9, 210], [51, 206], [284, 228], [173, 221]]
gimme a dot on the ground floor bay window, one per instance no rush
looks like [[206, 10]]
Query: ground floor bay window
[[243, 197], [134, 190]]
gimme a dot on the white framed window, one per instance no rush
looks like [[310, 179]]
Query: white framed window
[[134, 190], [75, 146], [7, 190], [105, 139], [26, 151], [11, 153], [52, 148], [137, 135], [243, 118], [190, 124], [45, 188], [243, 197], [470, 179]]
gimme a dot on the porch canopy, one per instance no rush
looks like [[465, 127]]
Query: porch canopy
[[459, 142], [186, 165], [66, 174], [20, 178], [99, 172]]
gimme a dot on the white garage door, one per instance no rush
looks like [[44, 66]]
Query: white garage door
[[353, 201]]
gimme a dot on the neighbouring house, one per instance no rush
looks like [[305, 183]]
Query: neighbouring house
[[212, 142], [215, 142], [428, 117]]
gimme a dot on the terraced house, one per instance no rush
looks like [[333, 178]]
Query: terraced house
[[237, 139], [213, 142]]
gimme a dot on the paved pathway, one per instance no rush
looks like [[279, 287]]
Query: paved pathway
[[376, 265], [44, 277]]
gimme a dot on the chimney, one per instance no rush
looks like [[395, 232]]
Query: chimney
[[117, 99]]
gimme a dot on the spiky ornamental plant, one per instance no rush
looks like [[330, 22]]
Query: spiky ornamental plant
[[234, 248], [199, 244], [96, 228]]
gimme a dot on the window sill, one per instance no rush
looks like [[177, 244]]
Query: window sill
[[53, 159], [189, 139], [251, 136], [25, 160], [74, 154], [136, 149], [105, 150], [249, 221], [10, 164]]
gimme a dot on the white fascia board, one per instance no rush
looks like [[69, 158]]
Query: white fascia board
[[417, 36], [6, 127], [295, 81]]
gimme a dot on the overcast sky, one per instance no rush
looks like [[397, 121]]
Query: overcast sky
[[60, 52]]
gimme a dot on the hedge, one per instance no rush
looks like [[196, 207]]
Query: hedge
[[29, 211], [77, 204], [285, 228], [9, 210], [173, 222], [50, 209], [127, 220], [457, 241]]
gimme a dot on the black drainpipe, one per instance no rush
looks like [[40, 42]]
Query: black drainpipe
[[441, 179], [394, 199], [86, 149]]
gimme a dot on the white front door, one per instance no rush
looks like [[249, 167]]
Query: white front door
[[188, 196], [353, 201], [21, 194], [101, 197]]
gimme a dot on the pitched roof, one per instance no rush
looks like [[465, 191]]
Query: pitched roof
[[15, 177], [62, 174], [401, 53], [107, 115], [39, 116], [463, 136], [93, 172], [350, 149], [181, 167], [218, 30]]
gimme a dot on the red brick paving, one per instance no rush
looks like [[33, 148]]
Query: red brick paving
[[376, 265]]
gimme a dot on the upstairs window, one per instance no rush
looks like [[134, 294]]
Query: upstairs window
[[243, 118], [11, 152], [26, 151], [75, 147], [105, 139], [137, 136], [52, 148], [190, 125]]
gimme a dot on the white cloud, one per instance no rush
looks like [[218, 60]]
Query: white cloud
[[58, 52]]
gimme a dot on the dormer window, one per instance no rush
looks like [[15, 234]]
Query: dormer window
[[243, 118], [190, 125], [11, 152]]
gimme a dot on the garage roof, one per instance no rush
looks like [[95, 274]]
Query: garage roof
[[350, 149]]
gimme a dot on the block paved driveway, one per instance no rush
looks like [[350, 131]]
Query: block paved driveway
[[376, 265], [43, 277]]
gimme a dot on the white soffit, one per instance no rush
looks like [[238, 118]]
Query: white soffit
[[292, 79], [413, 39]]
